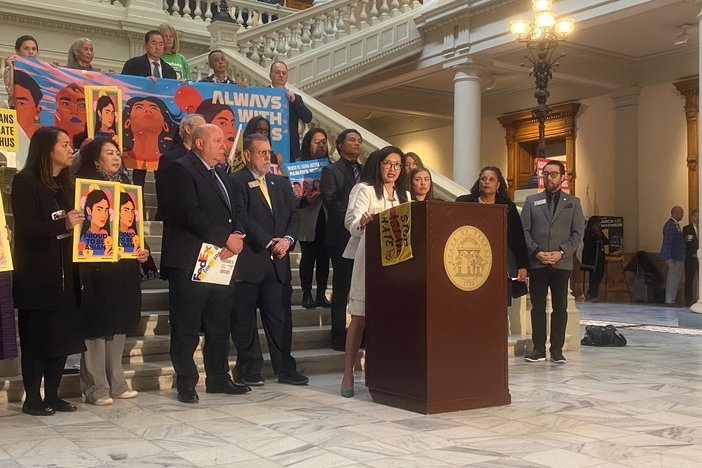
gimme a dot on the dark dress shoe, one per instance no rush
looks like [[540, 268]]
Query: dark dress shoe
[[307, 301], [62, 406], [322, 301], [293, 378], [228, 388], [338, 344], [45, 410], [188, 395]]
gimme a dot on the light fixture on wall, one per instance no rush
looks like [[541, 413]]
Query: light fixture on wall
[[683, 36], [492, 83]]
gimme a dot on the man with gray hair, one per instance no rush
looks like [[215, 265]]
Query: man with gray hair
[[185, 131]]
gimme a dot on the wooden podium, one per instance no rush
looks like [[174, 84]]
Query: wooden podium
[[430, 346]]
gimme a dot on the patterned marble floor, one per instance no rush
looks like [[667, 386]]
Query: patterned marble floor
[[639, 406]]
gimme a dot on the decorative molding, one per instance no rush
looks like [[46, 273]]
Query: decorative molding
[[690, 89], [442, 16], [85, 30], [626, 97]]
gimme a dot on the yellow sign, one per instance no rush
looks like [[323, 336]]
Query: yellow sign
[[467, 258], [9, 140], [395, 230]]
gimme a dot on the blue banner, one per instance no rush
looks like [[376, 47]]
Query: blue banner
[[304, 176]]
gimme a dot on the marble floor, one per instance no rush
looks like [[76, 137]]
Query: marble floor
[[639, 406]]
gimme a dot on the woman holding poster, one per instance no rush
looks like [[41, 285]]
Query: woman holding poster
[[47, 286], [116, 287]]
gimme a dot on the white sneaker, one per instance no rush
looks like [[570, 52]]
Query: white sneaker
[[104, 401], [126, 395]]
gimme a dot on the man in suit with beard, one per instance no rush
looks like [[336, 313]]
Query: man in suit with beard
[[200, 209], [262, 278]]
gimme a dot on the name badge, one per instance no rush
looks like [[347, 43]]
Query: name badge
[[539, 202], [254, 184]]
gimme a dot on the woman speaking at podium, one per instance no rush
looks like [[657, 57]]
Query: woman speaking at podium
[[383, 185]]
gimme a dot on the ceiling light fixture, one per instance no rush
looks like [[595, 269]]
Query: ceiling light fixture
[[684, 36]]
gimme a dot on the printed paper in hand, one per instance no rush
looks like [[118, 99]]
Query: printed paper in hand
[[209, 268]]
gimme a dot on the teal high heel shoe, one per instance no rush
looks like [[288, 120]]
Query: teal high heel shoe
[[347, 393]]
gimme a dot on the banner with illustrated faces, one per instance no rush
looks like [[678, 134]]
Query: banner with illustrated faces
[[94, 238], [304, 176], [130, 236], [102, 113], [150, 112]]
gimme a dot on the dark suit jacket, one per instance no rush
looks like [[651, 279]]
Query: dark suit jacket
[[140, 66], [298, 111], [336, 183], [692, 243], [196, 212], [165, 159], [261, 224]]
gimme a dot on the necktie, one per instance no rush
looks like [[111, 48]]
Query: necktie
[[264, 190], [552, 205], [220, 187], [356, 173], [157, 70]]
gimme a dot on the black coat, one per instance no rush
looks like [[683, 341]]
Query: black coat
[[44, 274], [692, 243], [195, 212], [165, 159], [515, 231], [593, 258], [262, 224], [298, 111], [140, 66], [336, 183]]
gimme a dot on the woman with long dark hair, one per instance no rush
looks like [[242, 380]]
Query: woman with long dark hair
[[491, 188], [47, 288], [382, 186], [313, 227], [116, 288], [421, 185]]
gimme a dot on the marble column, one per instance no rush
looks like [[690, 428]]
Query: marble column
[[626, 163], [697, 307], [467, 91]]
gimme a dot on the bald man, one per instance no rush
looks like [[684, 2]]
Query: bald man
[[199, 210], [673, 252]]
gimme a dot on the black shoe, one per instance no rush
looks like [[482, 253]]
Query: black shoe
[[557, 357], [254, 380], [188, 395], [536, 356], [322, 301], [338, 344], [228, 388], [307, 301], [293, 378], [62, 406], [45, 410]]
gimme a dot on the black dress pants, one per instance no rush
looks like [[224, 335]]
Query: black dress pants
[[341, 284], [543, 279], [194, 306], [274, 299], [33, 369], [691, 265], [139, 177]]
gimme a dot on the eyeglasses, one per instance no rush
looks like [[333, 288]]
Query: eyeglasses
[[550, 175], [72, 105], [262, 153], [392, 165]]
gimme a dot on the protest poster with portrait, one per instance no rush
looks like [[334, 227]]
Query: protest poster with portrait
[[94, 238], [150, 113], [130, 237], [103, 109], [304, 176], [5, 252]]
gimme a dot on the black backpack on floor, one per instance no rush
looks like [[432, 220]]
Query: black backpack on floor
[[596, 335]]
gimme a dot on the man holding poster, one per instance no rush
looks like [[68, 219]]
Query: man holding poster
[[199, 210]]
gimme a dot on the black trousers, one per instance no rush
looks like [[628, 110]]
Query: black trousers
[[543, 279], [341, 284], [595, 279], [139, 177], [314, 252], [33, 369], [194, 306], [274, 299], [691, 265]]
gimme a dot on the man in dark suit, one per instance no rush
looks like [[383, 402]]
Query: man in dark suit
[[199, 210], [298, 110], [336, 183], [673, 251], [150, 64], [553, 224], [265, 204], [692, 243], [187, 125]]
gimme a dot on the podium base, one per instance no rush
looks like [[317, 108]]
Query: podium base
[[417, 405]]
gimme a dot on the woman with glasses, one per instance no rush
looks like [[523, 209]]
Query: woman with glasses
[[383, 185], [116, 289]]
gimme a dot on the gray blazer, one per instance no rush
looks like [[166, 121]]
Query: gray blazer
[[309, 212], [563, 233]]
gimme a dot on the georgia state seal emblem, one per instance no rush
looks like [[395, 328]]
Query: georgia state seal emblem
[[467, 258]]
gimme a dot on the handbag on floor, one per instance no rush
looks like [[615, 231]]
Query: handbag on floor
[[596, 335]]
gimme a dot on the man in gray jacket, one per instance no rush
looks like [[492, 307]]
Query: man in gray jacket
[[553, 228]]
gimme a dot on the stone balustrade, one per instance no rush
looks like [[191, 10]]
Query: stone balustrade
[[249, 14]]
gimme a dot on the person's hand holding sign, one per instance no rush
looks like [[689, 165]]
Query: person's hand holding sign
[[73, 218], [142, 256]]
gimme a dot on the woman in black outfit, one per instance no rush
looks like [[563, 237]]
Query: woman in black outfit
[[47, 287], [116, 288], [594, 262], [491, 188]]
